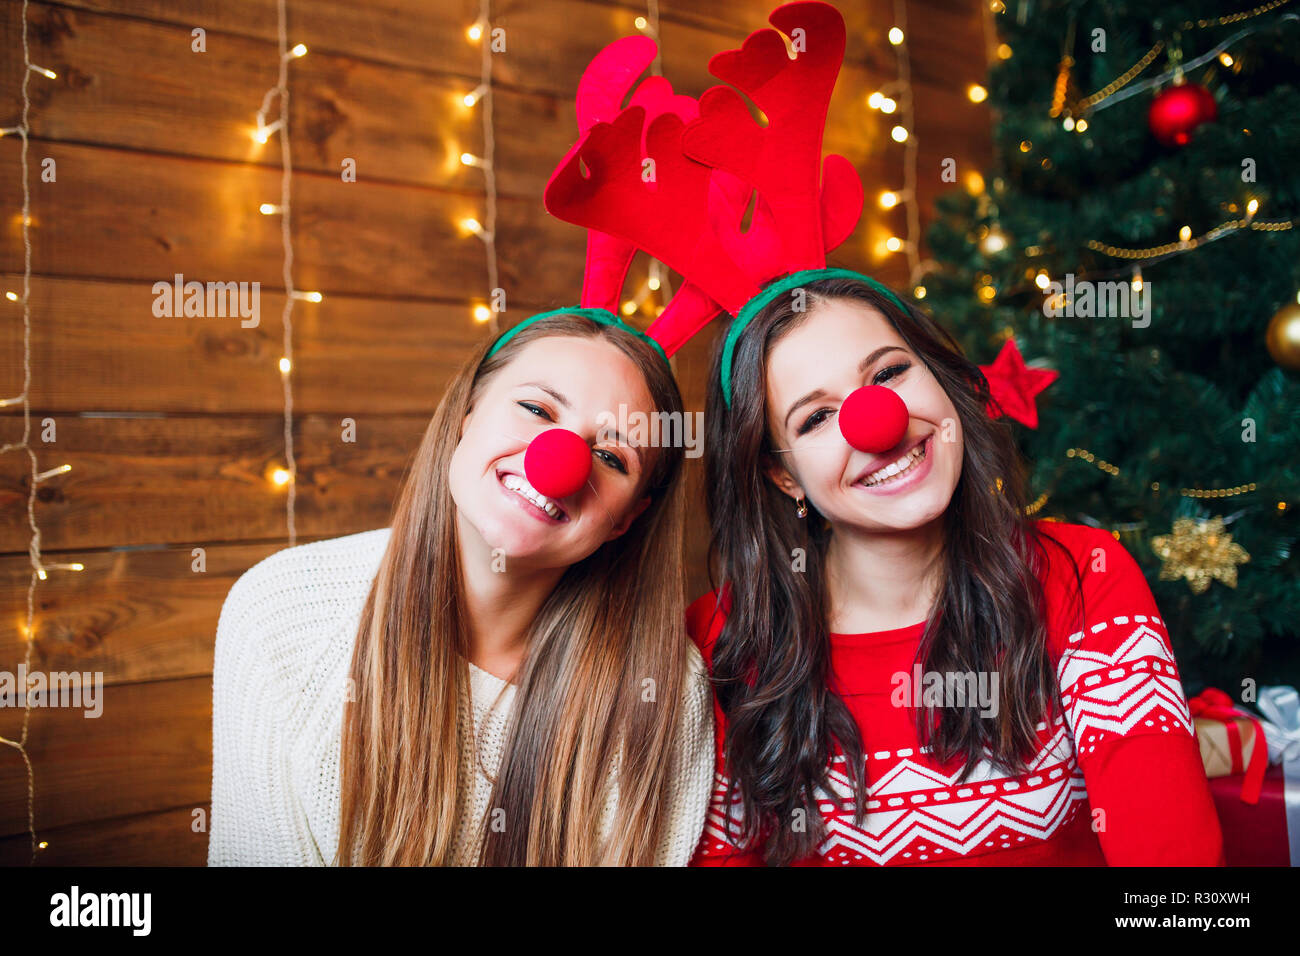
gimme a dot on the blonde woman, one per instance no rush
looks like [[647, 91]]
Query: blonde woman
[[501, 677]]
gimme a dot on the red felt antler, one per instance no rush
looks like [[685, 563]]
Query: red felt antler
[[661, 206], [783, 160], [601, 91]]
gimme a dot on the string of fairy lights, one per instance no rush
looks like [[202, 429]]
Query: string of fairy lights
[[480, 32], [896, 97], [287, 475], [39, 565]]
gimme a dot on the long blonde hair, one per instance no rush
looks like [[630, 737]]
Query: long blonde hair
[[612, 627]]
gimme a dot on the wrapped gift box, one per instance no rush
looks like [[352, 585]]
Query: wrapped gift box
[[1212, 736], [1253, 834]]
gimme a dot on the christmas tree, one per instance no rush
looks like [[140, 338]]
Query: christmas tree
[[1138, 241]]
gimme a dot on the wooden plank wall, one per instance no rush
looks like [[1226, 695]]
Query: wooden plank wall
[[171, 424]]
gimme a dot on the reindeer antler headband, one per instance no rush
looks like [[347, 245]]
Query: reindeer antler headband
[[674, 176]]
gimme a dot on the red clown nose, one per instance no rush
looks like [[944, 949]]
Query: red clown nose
[[557, 462], [873, 418]]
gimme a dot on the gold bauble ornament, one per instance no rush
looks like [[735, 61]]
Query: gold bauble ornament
[[1200, 551], [1283, 337]]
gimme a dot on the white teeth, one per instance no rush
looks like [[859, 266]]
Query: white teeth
[[896, 468], [527, 492]]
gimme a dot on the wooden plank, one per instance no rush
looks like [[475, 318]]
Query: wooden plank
[[96, 345], [124, 215], [149, 750], [165, 838], [205, 479], [131, 615]]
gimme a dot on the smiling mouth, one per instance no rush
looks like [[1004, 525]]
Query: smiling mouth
[[897, 470], [518, 485]]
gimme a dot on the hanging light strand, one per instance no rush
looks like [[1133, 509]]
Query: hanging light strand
[[39, 567], [289, 474], [481, 32]]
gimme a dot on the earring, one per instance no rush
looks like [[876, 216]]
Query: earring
[[801, 508]]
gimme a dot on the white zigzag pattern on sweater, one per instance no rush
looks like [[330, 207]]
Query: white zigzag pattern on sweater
[[916, 812], [1112, 693]]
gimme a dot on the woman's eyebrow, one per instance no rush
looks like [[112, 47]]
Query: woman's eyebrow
[[865, 364], [549, 391]]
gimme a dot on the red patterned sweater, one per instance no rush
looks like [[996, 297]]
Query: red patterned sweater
[[1117, 779]]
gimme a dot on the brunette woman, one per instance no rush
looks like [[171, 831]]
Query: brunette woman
[[909, 670]]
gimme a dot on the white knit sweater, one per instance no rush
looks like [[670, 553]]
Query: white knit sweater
[[280, 679]]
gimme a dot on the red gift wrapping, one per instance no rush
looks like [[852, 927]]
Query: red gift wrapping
[[1214, 704], [1253, 834]]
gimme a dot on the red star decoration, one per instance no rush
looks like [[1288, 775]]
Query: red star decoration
[[1013, 385]]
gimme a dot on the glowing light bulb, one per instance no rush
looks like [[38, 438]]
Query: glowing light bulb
[[640, 23], [299, 50], [1185, 233], [268, 209], [629, 307], [919, 292], [653, 283], [888, 105], [893, 243], [888, 199], [1252, 207], [874, 100], [895, 36], [472, 225], [284, 366], [280, 476], [1068, 123], [482, 313], [977, 93], [1081, 126], [475, 32], [899, 134], [1042, 280]]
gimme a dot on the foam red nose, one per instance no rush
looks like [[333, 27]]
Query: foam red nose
[[873, 418], [557, 462]]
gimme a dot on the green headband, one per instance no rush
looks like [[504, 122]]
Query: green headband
[[792, 281], [600, 316]]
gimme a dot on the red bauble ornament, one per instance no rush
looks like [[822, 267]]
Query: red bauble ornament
[[557, 462], [1177, 111], [873, 418]]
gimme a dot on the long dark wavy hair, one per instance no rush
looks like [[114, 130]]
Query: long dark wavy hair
[[771, 663]]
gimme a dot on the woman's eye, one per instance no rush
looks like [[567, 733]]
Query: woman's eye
[[893, 371], [611, 459], [813, 420], [536, 410]]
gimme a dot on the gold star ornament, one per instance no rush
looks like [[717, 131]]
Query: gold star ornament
[[1199, 550]]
